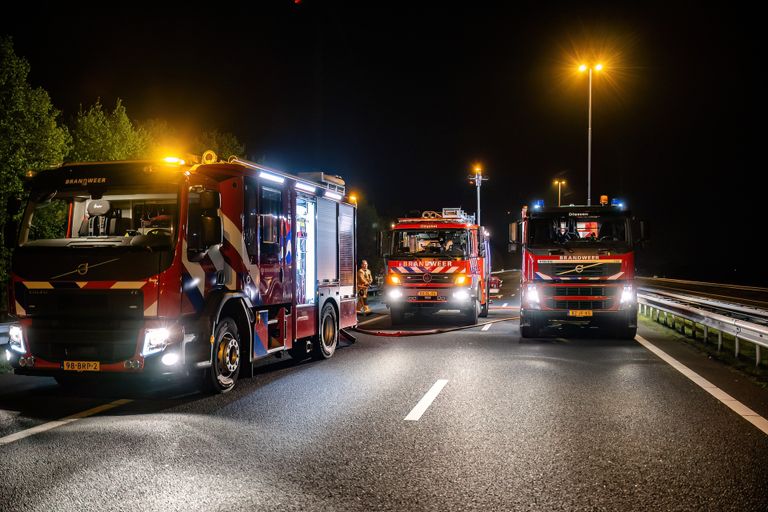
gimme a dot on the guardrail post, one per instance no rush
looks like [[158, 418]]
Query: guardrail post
[[719, 340], [757, 355], [736, 344], [706, 333], [693, 329]]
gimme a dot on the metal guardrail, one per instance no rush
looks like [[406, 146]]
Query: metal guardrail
[[654, 306]]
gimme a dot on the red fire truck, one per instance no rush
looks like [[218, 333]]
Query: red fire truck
[[578, 267], [439, 261], [166, 268]]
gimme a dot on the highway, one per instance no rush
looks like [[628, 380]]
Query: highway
[[474, 419]]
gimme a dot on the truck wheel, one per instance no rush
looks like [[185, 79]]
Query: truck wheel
[[301, 350], [226, 357], [529, 331], [473, 312], [328, 337], [397, 315], [625, 333]]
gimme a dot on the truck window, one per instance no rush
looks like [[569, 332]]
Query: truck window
[[270, 217]]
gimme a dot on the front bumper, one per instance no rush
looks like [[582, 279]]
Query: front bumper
[[448, 297], [606, 318], [46, 352]]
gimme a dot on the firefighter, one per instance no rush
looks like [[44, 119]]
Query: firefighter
[[364, 280]]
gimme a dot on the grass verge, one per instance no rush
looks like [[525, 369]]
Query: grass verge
[[743, 364]]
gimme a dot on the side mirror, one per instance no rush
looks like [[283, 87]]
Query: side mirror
[[383, 243], [212, 232], [204, 227], [13, 206], [210, 200], [10, 232], [514, 242], [640, 233]]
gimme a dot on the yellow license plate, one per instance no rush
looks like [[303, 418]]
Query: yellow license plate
[[579, 312], [82, 366], [427, 294]]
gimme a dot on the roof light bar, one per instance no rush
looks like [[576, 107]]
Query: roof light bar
[[333, 195], [271, 177]]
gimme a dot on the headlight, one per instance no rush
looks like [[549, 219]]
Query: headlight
[[532, 295], [460, 279], [394, 294], [16, 339], [394, 279], [155, 340], [461, 295], [627, 295]]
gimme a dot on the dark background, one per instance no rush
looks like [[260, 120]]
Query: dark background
[[401, 99]]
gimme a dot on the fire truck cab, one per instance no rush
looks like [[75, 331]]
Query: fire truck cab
[[439, 261], [578, 267], [165, 268]]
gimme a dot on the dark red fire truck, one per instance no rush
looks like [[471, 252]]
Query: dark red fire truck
[[167, 268], [578, 267]]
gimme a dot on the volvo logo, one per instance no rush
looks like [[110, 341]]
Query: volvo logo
[[82, 269], [427, 277], [579, 269]]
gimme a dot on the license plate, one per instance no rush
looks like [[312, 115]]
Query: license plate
[[82, 366], [579, 312], [427, 294]]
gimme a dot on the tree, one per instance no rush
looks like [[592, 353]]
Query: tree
[[369, 223], [30, 134], [224, 144], [105, 136]]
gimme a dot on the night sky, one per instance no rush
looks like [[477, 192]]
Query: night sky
[[401, 99]]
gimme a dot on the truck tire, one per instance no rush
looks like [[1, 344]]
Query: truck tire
[[327, 339], [625, 333], [473, 312], [397, 315], [529, 331], [226, 360], [301, 350]]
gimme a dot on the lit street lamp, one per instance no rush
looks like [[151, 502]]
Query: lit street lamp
[[478, 179], [559, 184], [584, 68]]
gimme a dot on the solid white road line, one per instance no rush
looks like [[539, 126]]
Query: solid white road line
[[426, 401], [64, 421], [736, 406], [486, 327]]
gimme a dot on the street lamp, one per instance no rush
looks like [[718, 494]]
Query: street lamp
[[559, 184], [478, 179], [583, 68]]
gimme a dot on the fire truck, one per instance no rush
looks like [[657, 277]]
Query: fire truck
[[166, 268], [578, 267], [438, 261]]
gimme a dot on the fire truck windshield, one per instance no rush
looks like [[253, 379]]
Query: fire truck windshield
[[431, 243], [565, 229], [129, 215]]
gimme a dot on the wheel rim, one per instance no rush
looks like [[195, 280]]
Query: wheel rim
[[329, 332], [227, 358]]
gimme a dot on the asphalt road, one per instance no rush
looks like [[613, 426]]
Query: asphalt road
[[557, 423]]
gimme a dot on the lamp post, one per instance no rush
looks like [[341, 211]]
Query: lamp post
[[583, 68], [478, 179], [559, 184]]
